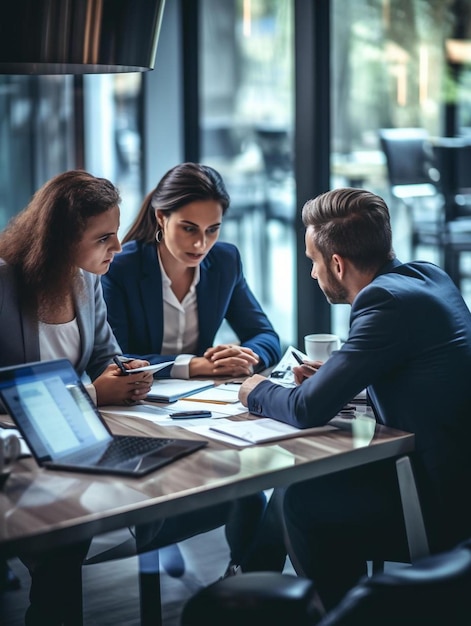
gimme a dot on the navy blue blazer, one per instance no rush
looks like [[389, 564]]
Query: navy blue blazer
[[410, 344], [133, 293]]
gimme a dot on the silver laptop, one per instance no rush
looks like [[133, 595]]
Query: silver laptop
[[65, 431]]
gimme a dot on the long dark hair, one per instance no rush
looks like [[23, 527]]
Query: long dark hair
[[184, 183], [40, 242]]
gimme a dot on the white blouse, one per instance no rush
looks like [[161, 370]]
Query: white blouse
[[62, 341], [180, 320]]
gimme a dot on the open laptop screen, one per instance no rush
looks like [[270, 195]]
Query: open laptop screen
[[51, 406]]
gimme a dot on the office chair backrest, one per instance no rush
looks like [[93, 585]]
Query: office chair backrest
[[433, 591], [276, 149], [409, 157]]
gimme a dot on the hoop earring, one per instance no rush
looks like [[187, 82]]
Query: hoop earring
[[159, 236]]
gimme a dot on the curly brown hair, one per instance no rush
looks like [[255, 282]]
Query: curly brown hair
[[40, 242]]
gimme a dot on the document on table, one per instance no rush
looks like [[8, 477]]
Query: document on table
[[227, 393], [250, 432], [255, 431], [172, 389], [162, 414], [157, 414], [282, 373]]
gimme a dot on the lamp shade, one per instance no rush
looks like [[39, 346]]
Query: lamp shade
[[78, 36]]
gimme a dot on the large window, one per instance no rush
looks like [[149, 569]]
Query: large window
[[50, 124], [113, 142], [36, 136], [395, 64], [246, 132]]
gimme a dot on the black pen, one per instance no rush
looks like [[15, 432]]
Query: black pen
[[301, 362], [119, 363]]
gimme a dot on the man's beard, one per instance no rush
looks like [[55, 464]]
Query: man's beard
[[334, 291]]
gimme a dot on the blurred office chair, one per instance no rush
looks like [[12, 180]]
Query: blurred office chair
[[413, 182], [433, 179], [453, 159], [275, 146], [433, 591], [224, 147]]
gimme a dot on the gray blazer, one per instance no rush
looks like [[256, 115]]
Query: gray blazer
[[19, 334]]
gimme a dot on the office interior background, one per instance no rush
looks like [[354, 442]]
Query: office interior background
[[285, 98]]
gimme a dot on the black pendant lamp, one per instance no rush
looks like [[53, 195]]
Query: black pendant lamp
[[78, 36]]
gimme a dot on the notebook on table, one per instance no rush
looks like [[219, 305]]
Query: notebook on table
[[64, 429], [172, 389]]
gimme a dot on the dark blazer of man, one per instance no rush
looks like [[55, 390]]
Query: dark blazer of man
[[410, 344], [133, 293]]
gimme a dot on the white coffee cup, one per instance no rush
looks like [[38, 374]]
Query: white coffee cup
[[10, 450], [319, 347]]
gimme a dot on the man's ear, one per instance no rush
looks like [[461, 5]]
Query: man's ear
[[338, 266]]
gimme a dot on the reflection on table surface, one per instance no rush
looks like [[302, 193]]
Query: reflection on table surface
[[42, 508]]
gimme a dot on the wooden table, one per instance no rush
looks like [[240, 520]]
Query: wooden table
[[40, 508]]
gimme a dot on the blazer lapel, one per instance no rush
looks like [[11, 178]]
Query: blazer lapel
[[29, 324], [150, 286], [206, 294], [85, 312]]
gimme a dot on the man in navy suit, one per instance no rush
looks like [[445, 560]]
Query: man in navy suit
[[409, 344]]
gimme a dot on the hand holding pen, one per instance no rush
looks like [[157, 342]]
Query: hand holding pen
[[306, 369], [118, 387], [119, 363]]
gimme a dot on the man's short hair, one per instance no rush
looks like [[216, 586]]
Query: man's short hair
[[352, 223]]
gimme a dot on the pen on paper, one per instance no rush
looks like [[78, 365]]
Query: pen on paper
[[301, 362], [117, 361]]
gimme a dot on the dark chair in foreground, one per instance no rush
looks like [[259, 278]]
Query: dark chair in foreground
[[253, 599], [434, 591]]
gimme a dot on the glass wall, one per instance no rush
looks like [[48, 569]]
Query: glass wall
[[393, 67], [113, 136], [36, 136], [395, 64], [50, 124], [246, 132]]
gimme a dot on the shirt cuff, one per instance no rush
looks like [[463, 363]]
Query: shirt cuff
[[91, 392], [181, 367]]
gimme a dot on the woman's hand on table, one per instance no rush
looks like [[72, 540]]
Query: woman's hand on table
[[232, 360], [112, 387], [225, 360]]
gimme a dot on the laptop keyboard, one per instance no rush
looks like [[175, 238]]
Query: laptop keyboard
[[125, 448]]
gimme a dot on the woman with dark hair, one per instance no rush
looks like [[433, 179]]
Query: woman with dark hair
[[52, 255], [172, 286], [168, 293]]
